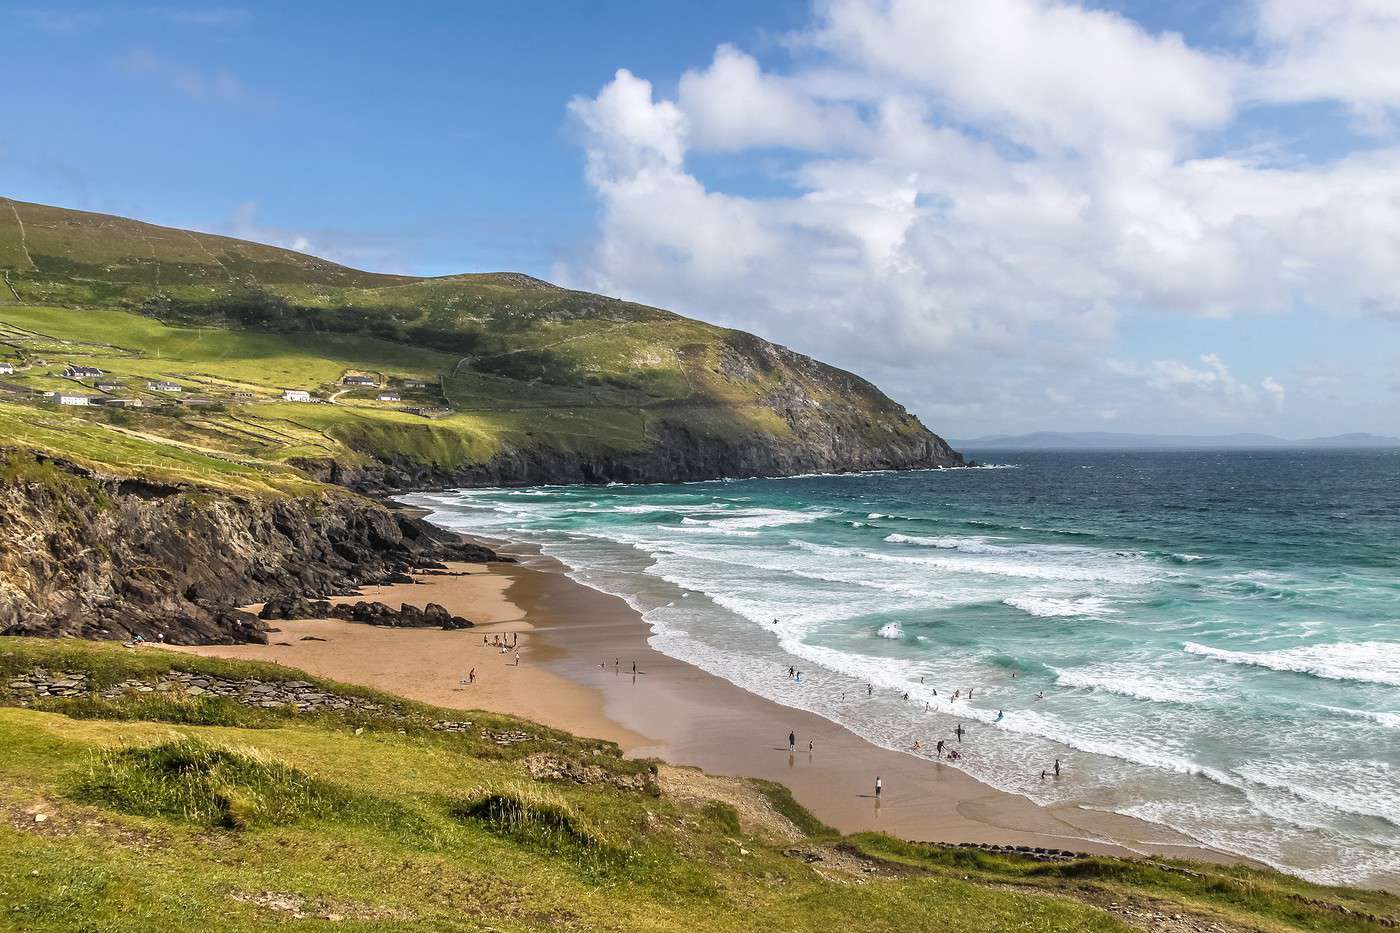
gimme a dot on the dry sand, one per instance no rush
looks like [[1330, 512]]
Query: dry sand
[[670, 710]]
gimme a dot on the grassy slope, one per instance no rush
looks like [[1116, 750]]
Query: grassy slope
[[520, 362], [387, 824]]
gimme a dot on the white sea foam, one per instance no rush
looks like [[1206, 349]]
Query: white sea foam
[[1084, 570], [968, 545], [1375, 662], [1129, 680], [891, 630], [1052, 606], [1380, 717]]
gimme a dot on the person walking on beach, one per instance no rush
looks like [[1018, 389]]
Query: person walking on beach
[[634, 668], [799, 677], [869, 690], [959, 731], [517, 659], [810, 745], [878, 787], [939, 748], [792, 741]]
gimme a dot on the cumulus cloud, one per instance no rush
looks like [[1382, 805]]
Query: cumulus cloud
[[1341, 51], [986, 189], [1209, 390]]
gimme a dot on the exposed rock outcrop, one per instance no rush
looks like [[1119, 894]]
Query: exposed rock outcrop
[[105, 557], [295, 606]]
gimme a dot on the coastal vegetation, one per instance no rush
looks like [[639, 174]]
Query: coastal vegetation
[[131, 809]]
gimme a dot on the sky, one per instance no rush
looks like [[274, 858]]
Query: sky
[[1012, 215]]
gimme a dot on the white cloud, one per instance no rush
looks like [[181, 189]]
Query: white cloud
[[216, 84], [968, 185], [1341, 50], [1210, 390]]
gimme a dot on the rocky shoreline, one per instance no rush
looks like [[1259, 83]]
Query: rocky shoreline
[[103, 557], [109, 557]]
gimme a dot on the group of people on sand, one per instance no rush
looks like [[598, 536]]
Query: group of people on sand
[[505, 645]]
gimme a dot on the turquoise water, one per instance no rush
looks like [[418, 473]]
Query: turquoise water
[[1216, 635]]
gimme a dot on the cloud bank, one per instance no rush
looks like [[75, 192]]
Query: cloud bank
[[971, 201]]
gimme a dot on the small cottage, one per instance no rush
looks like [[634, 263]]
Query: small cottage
[[7, 368], [296, 395], [163, 386], [81, 372], [109, 386], [389, 397], [359, 381], [65, 399]]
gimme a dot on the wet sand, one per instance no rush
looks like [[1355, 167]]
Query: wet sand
[[671, 710]]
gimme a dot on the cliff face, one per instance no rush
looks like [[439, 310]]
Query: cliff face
[[679, 456], [102, 557]]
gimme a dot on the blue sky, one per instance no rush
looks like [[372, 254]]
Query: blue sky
[[1012, 214]]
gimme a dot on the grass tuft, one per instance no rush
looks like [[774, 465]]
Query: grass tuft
[[528, 814], [190, 780]]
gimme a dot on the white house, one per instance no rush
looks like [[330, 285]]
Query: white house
[[109, 386], [359, 381], [64, 399], [389, 397], [163, 386], [80, 372], [7, 368], [296, 395]]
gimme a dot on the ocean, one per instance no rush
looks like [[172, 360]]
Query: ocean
[[1208, 641]]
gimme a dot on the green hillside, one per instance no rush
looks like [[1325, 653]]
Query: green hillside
[[175, 809], [492, 377]]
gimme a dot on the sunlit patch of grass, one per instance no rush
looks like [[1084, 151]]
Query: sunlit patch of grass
[[190, 780]]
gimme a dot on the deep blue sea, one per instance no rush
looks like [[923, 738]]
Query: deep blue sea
[[1206, 640]]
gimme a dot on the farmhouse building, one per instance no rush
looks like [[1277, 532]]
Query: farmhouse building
[[389, 397], [296, 395], [163, 386], [7, 368], [359, 381], [65, 399], [81, 372]]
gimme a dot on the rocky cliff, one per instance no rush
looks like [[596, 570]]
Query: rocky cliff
[[97, 556]]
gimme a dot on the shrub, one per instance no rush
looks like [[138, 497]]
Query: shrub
[[723, 816]]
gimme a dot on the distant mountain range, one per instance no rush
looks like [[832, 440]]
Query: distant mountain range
[[1105, 440]]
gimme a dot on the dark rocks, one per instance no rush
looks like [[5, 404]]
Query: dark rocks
[[95, 556], [377, 613], [293, 606]]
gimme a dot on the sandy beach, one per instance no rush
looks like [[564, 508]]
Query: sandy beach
[[577, 648]]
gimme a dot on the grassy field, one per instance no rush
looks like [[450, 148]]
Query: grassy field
[[243, 373], [170, 812]]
